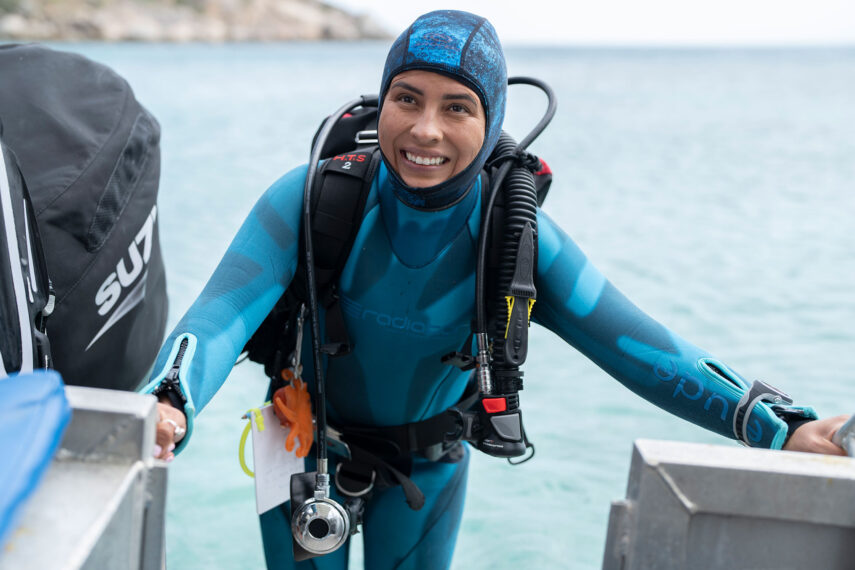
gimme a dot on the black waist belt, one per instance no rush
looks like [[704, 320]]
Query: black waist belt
[[403, 440], [381, 457], [422, 437]]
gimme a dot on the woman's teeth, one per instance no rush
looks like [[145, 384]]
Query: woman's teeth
[[424, 160]]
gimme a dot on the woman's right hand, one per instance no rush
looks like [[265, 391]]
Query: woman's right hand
[[167, 437]]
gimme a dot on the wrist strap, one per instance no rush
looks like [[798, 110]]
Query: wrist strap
[[759, 392]]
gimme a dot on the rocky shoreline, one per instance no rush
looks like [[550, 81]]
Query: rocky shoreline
[[181, 21]]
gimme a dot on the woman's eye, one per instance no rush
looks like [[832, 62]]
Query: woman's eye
[[404, 98], [457, 108]]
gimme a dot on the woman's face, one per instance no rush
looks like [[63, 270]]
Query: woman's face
[[431, 127]]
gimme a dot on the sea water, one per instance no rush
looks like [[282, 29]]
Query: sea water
[[714, 187]]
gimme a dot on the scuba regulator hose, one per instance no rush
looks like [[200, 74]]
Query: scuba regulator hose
[[319, 525], [500, 355]]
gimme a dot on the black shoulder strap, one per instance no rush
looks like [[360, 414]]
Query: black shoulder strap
[[338, 202], [338, 205]]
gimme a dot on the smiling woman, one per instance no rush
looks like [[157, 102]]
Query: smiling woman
[[407, 291], [431, 128]]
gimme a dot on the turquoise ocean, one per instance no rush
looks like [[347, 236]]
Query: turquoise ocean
[[715, 187]]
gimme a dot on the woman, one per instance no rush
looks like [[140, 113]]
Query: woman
[[442, 107]]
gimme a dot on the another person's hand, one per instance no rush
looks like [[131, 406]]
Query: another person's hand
[[171, 428], [815, 436]]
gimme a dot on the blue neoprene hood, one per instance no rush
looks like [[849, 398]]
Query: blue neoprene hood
[[466, 48]]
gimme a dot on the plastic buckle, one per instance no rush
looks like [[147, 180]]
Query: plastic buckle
[[466, 426], [336, 443], [335, 349], [460, 360], [366, 138]]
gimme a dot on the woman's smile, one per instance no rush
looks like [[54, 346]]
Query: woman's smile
[[424, 160]]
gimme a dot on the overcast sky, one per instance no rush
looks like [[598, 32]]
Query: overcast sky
[[642, 21]]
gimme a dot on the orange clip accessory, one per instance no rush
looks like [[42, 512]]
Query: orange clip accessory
[[293, 406]]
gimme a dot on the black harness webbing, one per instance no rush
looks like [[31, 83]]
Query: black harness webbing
[[381, 457], [338, 203]]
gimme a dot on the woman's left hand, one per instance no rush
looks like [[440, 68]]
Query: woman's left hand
[[171, 428], [815, 436]]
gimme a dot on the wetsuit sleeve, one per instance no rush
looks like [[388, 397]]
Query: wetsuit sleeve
[[576, 302], [250, 278]]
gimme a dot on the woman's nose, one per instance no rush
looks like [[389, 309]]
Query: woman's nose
[[427, 129]]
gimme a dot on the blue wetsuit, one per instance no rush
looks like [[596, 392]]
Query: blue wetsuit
[[407, 298], [407, 294]]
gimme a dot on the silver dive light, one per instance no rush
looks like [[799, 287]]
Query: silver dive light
[[320, 525]]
